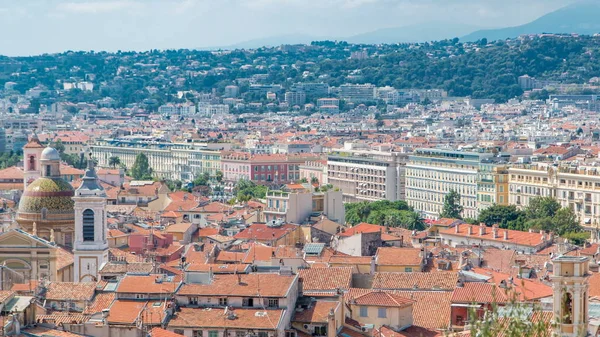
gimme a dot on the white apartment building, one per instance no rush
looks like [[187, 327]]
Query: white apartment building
[[177, 109], [433, 173], [577, 187], [213, 109], [367, 175], [295, 98], [298, 206], [178, 161], [358, 93], [231, 91]]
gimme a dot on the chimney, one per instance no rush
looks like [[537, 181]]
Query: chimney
[[457, 228], [373, 263], [331, 324], [495, 231], [469, 230], [481, 229], [506, 235]]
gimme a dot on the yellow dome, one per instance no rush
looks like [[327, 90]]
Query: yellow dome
[[52, 194]]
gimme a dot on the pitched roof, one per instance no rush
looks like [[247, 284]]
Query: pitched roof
[[69, 291], [319, 281], [146, 284], [415, 281], [260, 231], [215, 318], [393, 256], [525, 289], [266, 285], [515, 237], [382, 299], [362, 227], [160, 332], [478, 292], [101, 302], [317, 312]]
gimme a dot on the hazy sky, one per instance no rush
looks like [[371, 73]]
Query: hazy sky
[[44, 26]]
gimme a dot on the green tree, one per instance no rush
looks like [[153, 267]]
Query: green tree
[[219, 176], [314, 180], [58, 145], [201, 180], [452, 207], [114, 161], [502, 215], [565, 221], [141, 169], [541, 207]]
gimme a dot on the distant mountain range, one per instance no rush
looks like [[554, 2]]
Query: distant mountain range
[[581, 18]]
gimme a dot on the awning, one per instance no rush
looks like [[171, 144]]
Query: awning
[[465, 305], [18, 304]]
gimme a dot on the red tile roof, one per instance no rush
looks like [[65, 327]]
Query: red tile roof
[[215, 318], [393, 256], [515, 237], [147, 284], [416, 281], [267, 285], [324, 281], [382, 299]]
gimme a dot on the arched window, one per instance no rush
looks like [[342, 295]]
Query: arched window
[[31, 163], [44, 213], [567, 308], [48, 171], [88, 225]]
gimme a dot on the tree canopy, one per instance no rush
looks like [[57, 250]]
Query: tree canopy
[[141, 169], [542, 213], [452, 207], [384, 213]]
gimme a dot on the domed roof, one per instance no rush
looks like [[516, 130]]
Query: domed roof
[[50, 153], [52, 194]]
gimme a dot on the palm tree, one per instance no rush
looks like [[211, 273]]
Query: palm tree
[[114, 161], [314, 180]]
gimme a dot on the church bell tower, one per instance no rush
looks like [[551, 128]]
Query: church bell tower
[[570, 300], [91, 246]]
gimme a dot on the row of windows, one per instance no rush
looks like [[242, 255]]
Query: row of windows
[[381, 312], [275, 177], [437, 197], [440, 186], [444, 176]]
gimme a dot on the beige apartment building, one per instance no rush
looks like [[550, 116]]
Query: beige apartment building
[[367, 175], [178, 161], [577, 187]]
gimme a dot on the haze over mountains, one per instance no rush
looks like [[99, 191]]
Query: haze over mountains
[[581, 18]]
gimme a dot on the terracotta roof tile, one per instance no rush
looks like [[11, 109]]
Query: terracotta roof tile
[[101, 302], [69, 291], [215, 318], [392, 256], [159, 332], [60, 318], [146, 284], [267, 285], [318, 312], [382, 299], [478, 292], [415, 281], [326, 281]]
